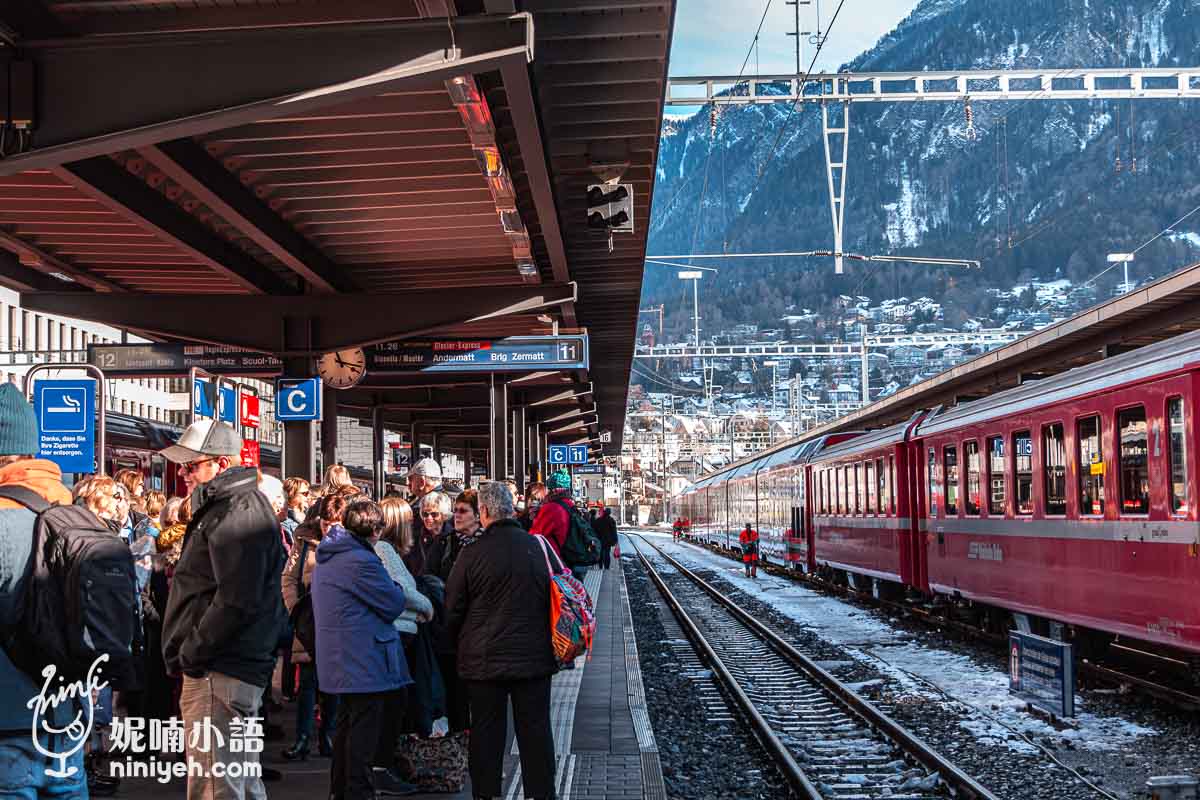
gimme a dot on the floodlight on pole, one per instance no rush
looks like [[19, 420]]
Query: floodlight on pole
[[1122, 259]]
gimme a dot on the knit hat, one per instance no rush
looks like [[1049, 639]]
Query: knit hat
[[18, 423], [559, 480]]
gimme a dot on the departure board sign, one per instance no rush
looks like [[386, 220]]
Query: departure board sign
[[1041, 672], [513, 354], [157, 359]]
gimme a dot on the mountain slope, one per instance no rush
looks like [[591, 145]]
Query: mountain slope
[[1035, 194]]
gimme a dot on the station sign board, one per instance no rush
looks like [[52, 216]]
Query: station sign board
[[298, 399], [590, 469], [567, 454], [66, 414], [250, 453], [250, 413], [202, 401], [512, 354], [160, 359], [400, 457], [1042, 672]]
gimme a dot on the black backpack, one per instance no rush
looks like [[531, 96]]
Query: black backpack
[[80, 597], [303, 619], [582, 546]]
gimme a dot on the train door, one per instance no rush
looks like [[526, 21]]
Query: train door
[[158, 474]]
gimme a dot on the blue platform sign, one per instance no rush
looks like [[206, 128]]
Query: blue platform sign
[[1042, 672], [557, 454], [578, 454], [66, 412], [202, 401], [298, 399], [228, 405]]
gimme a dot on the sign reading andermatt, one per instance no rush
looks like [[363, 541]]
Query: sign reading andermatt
[[1041, 672], [155, 359]]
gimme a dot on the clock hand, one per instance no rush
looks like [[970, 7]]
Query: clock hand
[[338, 359]]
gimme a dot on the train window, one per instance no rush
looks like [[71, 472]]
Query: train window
[[1178, 455], [1023, 462], [824, 491], [950, 458], [932, 482], [996, 484], [1054, 468], [840, 474], [1135, 474], [971, 454], [858, 492], [889, 482], [870, 483], [1091, 467]]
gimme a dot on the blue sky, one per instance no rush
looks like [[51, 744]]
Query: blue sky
[[713, 36]]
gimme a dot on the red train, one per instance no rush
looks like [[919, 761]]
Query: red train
[[1070, 500]]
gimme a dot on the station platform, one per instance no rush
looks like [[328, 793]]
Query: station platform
[[603, 739]]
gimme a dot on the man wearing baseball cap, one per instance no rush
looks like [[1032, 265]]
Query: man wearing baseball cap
[[225, 610]]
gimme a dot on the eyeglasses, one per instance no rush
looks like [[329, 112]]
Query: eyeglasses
[[464, 510], [118, 496], [431, 513], [192, 466]]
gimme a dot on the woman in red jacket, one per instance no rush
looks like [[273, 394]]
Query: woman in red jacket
[[749, 542]]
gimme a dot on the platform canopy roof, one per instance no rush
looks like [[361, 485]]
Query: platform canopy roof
[[298, 175]]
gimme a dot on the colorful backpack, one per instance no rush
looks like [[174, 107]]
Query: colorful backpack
[[572, 620]]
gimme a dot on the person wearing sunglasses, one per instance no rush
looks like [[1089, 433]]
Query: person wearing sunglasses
[[225, 611]]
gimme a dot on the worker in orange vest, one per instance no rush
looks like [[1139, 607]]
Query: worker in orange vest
[[749, 542], [677, 529]]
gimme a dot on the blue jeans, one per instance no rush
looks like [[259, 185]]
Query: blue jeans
[[306, 704], [23, 769]]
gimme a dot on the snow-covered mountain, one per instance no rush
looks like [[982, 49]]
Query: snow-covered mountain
[[1036, 192]]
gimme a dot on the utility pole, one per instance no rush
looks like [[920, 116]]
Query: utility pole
[[662, 457]]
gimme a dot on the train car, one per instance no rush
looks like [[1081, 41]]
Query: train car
[[863, 521], [1072, 499]]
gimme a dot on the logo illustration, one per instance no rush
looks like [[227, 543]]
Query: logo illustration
[[75, 733]]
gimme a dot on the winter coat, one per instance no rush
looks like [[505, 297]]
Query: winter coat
[[225, 611], [425, 558], [553, 521], [16, 548], [498, 606], [606, 528], [289, 526], [415, 602], [295, 584], [355, 603]]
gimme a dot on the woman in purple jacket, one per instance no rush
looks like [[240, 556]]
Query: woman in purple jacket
[[359, 654]]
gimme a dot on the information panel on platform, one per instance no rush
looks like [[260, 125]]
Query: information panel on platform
[[66, 413], [1041, 672], [513, 354], [138, 360]]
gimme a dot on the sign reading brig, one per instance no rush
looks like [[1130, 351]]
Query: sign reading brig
[[513, 354], [1041, 672], [139, 360]]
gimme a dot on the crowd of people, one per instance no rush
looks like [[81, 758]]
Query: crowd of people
[[390, 622]]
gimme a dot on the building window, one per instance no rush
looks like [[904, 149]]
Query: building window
[[1091, 467], [1054, 468], [972, 500], [932, 482], [1135, 474], [870, 482], [950, 459], [996, 493], [1178, 456], [1023, 463]]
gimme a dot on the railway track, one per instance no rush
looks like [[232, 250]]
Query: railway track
[[828, 742], [1102, 674]]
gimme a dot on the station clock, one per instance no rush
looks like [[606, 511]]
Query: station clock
[[342, 369]]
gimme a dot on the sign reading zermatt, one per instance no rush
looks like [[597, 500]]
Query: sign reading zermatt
[[513, 354]]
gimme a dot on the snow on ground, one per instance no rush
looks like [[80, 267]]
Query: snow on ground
[[913, 666]]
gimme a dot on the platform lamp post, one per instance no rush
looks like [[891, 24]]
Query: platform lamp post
[[1123, 259]]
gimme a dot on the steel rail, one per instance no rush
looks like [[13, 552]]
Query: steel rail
[[762, 729], [959, 782]]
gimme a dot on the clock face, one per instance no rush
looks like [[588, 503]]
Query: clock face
[[342, 369]]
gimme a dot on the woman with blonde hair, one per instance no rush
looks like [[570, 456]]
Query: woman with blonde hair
[[101, 495], [336, 477]]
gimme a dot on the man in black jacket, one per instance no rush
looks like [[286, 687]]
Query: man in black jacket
[[606, 528], [225, 610], [498, 611]]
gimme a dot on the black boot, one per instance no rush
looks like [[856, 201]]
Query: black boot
[[298, 751], [325, 745]]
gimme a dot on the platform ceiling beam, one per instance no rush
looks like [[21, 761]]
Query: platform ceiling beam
[[338, 321], [95, 95], [190, 166], [111, 184]]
